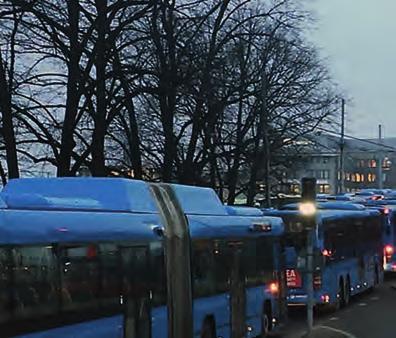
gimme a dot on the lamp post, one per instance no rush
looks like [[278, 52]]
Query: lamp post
[[308, 210]]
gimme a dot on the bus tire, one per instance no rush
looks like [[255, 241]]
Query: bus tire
[[208, 328], [264, 326], [376, 276], [341, 293], [266, 320], [347, 291]]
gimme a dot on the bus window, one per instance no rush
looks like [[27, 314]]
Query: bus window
[[79, 277], [249, 263], [110, 287], [258, 261], [223, 260], [35, 274], [135, 271], [265, 259], [203, 266], [5, 280], [158, 274], [136, 286]]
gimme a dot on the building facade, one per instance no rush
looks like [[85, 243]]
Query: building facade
[[320, 158]]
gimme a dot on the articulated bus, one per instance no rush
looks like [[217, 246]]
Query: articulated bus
[[347, 255], [105, 257]]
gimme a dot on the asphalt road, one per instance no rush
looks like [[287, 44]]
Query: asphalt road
[[371, 315]]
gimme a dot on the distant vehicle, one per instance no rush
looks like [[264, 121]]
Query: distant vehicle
[[340, 197], [339, 205], [347, 255], [76, 253], [388, 213]]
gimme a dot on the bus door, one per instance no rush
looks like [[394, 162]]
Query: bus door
[[136, 291], [237, 291]]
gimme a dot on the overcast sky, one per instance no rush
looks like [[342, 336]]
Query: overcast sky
[[359, 39]]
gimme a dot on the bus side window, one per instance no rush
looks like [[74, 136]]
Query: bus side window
[[135, 271], [79, 277], [110, 287], [5, 285], [204, 274], [265, 259], [158, 273], [35, 275], [223, 259], [249, 262]]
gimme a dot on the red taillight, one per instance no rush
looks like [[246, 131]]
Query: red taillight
[[326, 253], [325, 298], [389, 250], [386, 211], [317, 281]]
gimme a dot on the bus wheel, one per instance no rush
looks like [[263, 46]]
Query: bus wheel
[[341, 293], [266, 320], [208, 328], [347, 291], [265, 326], [376, 280]]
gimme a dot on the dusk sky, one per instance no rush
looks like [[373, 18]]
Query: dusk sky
[[358, 37]]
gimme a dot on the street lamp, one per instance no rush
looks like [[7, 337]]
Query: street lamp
[[307, 209]]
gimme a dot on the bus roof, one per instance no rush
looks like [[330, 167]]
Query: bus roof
[[100, 194], [243, 211], [103, 194], [98, 209]]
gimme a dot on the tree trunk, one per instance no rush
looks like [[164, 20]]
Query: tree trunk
[[133, 134], [233, 173], [98, 167], [73, 95], [8, 124]]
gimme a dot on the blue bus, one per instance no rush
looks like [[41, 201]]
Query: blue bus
[[388, 210], [103, 257], [347, 255], [389, 222]]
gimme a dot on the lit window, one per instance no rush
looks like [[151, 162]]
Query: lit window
[[324, 188], [371, 177], [373, 163], [353, 177], [348, 176]]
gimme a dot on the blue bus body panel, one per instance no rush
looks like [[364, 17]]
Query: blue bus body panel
[[111, 327], [24, 227], [159, 322], [219, 307], [235, 226], [255, 298]]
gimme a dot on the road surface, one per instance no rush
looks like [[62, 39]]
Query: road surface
[[371, 315]]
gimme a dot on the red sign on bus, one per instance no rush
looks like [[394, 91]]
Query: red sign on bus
[[293, 278]]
